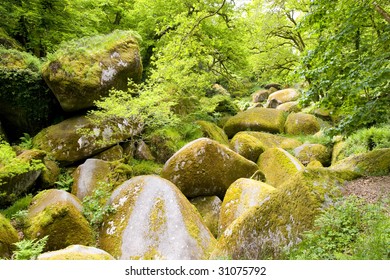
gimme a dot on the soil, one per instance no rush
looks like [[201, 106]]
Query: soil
[[371, 189]]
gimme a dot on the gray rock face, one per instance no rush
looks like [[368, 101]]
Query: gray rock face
[[153, 220], [206, 168], [78, 78]]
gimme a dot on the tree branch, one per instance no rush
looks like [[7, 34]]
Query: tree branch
[[382, 12]]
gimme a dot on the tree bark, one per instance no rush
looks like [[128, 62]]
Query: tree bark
[[382, 12]]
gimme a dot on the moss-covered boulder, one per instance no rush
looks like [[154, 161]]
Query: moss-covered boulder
[[79, 138], [76, 252], [7, 41], [241, 196], [314, 164], [290, 107], [18, 174], [310, 152], [205, 168], [278, 166], [143, 152], [214, 132], [256, 119], [58, 214], [83, 71], [250, 144], [8, 236], [153, 220], [26, 103], [50, 174], [337, 152], [374, 163], [111, 154], [282, 96], [209, 208], [260, 95], [301, 123], [265, 231], [89, 176]]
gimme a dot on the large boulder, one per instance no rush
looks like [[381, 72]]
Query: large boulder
[[89, 176], [205, 168], [84, 70], [153, 220], [241, 196], [266, 231], [260, 95], [290, 107], [112, 154], [19, 174], [8, 236], [214, 132], [278, 166], [209, 208], [79, 138], [76, 252], [26, 103], [250, 144], [301, 123], [374, 163], [58, 214], [311, 152], [282, 96], [256, 119]]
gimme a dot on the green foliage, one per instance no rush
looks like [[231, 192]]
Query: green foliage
[[65, 181], [367, 139], [29, 249], [322, 139], [15, 211], [352, 229], [26, 141], [349, 68], [95, 208], [144, 167]]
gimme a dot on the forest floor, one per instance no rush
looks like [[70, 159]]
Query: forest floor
[[371, 189]]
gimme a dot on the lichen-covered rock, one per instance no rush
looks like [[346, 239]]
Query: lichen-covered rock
[[89, 176], [337, 152], [18, 176], [260, 95], [205, 168], [374, 163], [209, 208], [143, 151], [301, 123], [314, 164], [8, 236], [283, 96], [76, 252], [290, 107], [256, 119], [250, 144], [26, 103], [67, 144], [310, 152], [50, 174], [153, 220], [265, 231], [278, 166], [214, 132], [241, 196], [58, 214], [112, 154], [84, 71]]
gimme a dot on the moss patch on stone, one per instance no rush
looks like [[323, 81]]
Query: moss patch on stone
[[264, 232], [241, 196], [8, 236], [214, 132], [256, 119], [76, 252], [301, 123], [209, 208], [278, 166], [206, 168], [58, 214], [310, 152]]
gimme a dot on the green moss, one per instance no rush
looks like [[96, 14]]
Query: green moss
[[209, 208], [301, 123], [256, 119], [310, 152], [265, 231], [212, 131], [8, 236]]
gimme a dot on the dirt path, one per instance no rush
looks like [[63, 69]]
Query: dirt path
[[371, 189]]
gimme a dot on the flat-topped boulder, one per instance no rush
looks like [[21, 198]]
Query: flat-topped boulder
[[256, 119], [84, 70], [205, 168], [154, 220]]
